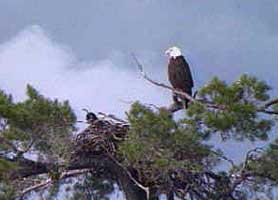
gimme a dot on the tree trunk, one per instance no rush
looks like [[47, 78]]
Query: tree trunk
[[170, 196]]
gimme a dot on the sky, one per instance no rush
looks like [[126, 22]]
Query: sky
[[80, 50]]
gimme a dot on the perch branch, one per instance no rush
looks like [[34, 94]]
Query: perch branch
[[140, 67], [174, 108]]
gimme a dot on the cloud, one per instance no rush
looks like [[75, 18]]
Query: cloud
[[218, 38], [33, 57]]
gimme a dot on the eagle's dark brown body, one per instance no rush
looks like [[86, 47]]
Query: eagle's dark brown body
[[180, 76]]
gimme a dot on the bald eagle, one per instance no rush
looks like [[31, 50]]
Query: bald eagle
[[179, 74]]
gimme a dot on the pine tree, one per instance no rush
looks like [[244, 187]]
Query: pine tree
[[151, 154]]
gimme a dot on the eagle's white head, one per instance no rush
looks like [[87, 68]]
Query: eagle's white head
[[173, 52]]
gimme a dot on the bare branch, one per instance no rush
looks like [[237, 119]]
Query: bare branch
[[224, 158], [146, 104], [271, 102], [264, 108], [250, 154], [34, 187], [140, 67], [49, 181], [5, 141], [270, 112], [22, 151], [146, 189], [176, 107], [112, 117]]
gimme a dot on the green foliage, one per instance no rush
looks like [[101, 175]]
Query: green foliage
[[267, 165], [275, 108], [5, 103], [231, 110], [5, 167], [6, 191], [46, 123], [37, 123], [156, 144], [53, 191], [93, 187], [156, 148]]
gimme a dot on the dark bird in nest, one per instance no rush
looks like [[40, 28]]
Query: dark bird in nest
[[90, 116]]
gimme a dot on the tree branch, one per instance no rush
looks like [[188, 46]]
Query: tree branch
[[49, 181], [224, 158], [113, 117], [175, 107], [243, 174], [5, 141], [133, 190], [140, 67], [270, 112], [146, 189], [271, 103], [250, 154]]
